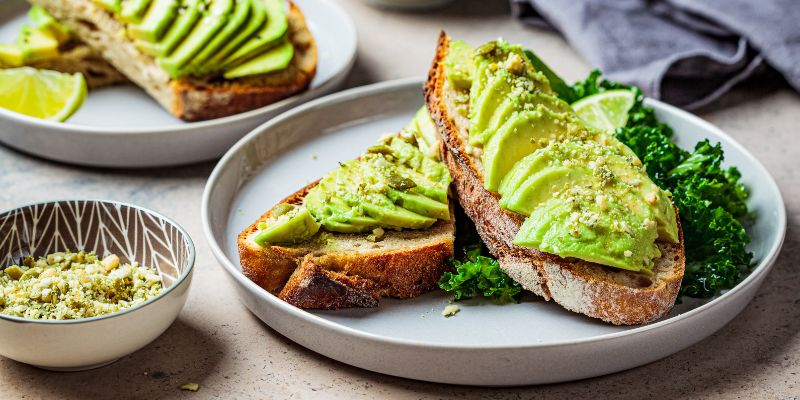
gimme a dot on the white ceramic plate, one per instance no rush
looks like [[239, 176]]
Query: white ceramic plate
[[123, 127], [485, 344]]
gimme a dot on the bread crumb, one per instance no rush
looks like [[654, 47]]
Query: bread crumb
[[451, 310], [192, 387]]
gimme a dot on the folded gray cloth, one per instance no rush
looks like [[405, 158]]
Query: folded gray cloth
[[685, 52]]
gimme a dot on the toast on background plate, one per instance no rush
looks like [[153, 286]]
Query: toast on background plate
[[614, 295], [167, 47]]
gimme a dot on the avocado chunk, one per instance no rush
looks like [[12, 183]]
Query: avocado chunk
[[45, 21], [459, 64], [420, 204], [133, 10], [36, 44], [274, 59], [267, 37], [159, 17], [290, 224], [256, 19], [211, 22], [10, 55], [181, 26], [425, 130], [114, 6], [241, 12]]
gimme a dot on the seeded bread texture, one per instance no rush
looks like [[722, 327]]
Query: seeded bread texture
[[189, 99], [339, 270], [612, 295]]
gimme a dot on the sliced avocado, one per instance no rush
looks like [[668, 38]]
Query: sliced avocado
[[188, 14], [426, 128], [257, 17], [268, 36], [36, 44], [527, 166], [203, 31], [10, 55], [43, 20], [497, 90], [549, 228], [420, 204], [241, 13], [114, 6], [519, 136], [133, 10], [540, 187], [293, 226], [159, 17], [397, 216], [274, 59]]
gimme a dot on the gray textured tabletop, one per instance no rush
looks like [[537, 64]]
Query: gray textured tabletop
[[219, 344]]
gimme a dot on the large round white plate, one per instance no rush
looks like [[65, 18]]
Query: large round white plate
[[123, 127], [485, 344]]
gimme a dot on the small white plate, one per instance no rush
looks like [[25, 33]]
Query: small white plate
[[485, 344], [123, 127]]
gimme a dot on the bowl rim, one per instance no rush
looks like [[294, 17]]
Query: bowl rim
[[273, 302], [190, 262]]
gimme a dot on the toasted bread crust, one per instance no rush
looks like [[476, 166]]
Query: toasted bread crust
[[324, 277], [615, 296], [190, 99]]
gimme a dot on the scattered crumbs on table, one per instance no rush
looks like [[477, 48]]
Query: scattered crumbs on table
[[314, 156], [451, 310], [192, 387]]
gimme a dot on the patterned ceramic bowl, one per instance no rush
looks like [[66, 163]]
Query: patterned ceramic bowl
[[105, 227]]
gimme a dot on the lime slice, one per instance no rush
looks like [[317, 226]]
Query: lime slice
[[605, 111], [41, 93]]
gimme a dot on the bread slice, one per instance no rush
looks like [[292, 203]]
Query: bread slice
[[75, 56], [190, 99], [613, 295], [338, 270]]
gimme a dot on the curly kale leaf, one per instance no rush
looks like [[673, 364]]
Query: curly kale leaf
[[480, 275], [716, 257]]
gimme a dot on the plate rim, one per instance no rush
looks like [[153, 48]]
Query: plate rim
[[342, 16], [762, 268]]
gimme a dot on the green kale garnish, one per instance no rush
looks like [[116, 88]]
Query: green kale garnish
[[710, 199], [479, 275]]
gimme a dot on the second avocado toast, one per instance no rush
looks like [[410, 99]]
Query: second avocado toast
[[200, 59], [380, 225]]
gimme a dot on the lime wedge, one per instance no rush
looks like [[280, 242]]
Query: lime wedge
[[41, 93], [605, 111]]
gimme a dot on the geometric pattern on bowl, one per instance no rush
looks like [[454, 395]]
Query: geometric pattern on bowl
[[105, 227]]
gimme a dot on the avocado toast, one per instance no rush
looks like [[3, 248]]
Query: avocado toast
[[377, 226], [200, 59], [629, 273]]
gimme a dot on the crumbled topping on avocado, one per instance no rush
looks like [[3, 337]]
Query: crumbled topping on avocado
[[68, 285]]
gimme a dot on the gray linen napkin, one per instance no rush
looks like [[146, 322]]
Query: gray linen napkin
[[686, 52]]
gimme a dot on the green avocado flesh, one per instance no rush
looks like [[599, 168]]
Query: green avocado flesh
[[287, 224], [208, 38], [585, 194], [394, 185], [34, 43]]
